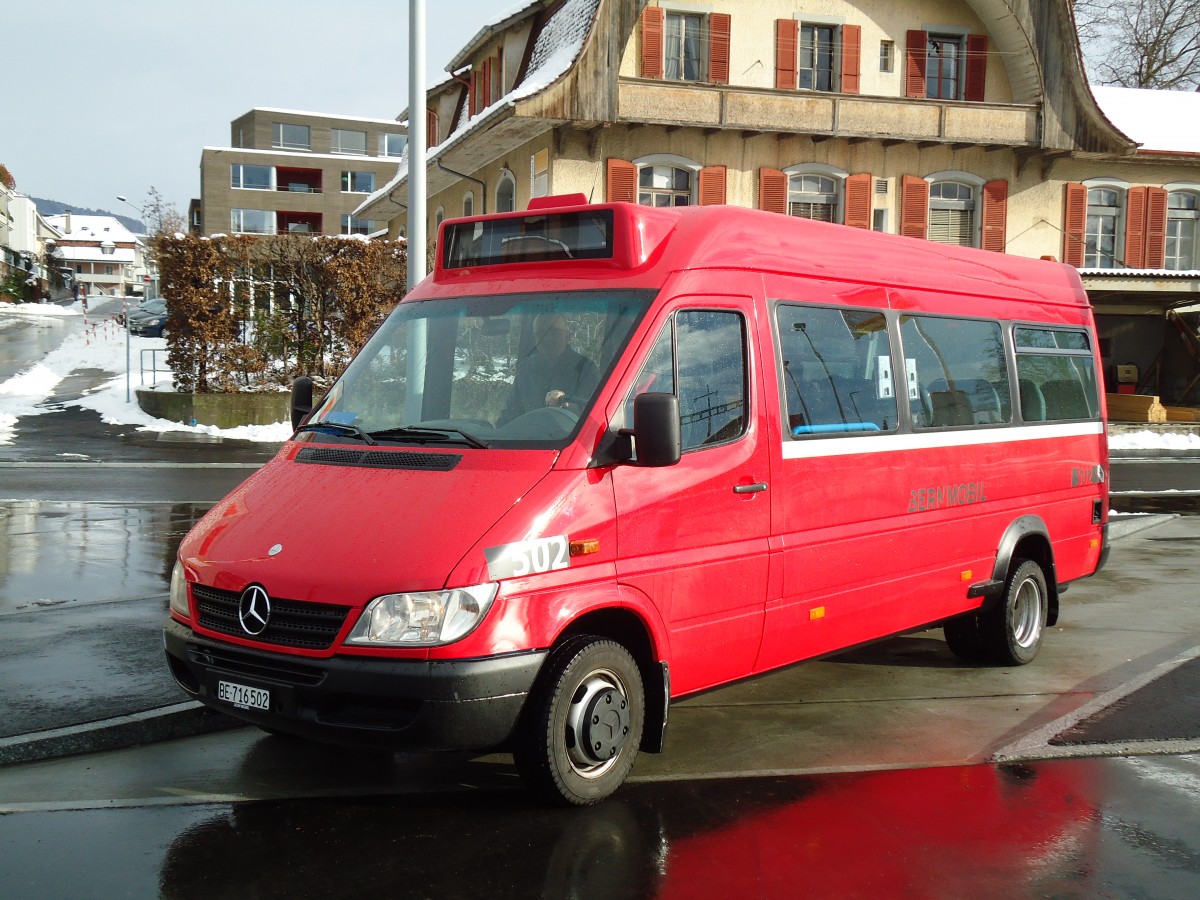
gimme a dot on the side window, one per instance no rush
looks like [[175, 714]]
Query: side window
[[700, 356], [837, 370], [1056, 376], [955, 372]]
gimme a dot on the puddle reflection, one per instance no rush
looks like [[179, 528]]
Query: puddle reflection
[[54, 552], [981, 831]]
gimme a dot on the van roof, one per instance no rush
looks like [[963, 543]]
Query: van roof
[[730, 237]]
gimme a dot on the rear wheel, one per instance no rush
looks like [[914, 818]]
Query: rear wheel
[[1012, 630], [582, 731]]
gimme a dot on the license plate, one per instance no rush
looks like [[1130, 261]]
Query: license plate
[[243, 697]]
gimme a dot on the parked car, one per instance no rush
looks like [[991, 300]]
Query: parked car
[[148, 318]]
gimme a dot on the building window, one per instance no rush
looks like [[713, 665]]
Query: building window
[[439, 217], [394, 144], [506, 193], [887, 56], [343, 141], [952, 213], [943, 65], [817, 49], [683, 50], [539, 173], [252, 178], [664, 185], [469, 205], [1182, 213], [812, 196], [358, 182], [1101, 237], [252, 221], [351, 225], [286, 136]]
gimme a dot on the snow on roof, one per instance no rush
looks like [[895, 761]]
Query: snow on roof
[[92, 228], [95, 254], [509, 16], [1158, 120], [556, 49]]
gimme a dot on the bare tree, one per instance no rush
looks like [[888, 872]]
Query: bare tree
[[1141, 43]]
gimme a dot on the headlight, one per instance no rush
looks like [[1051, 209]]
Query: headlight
[[179, 593], [422, 619]]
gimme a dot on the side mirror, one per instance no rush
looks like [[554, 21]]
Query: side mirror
[[656, 429], [302, 400]]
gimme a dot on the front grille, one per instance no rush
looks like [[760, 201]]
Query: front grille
[[309, 626], [380, 459]]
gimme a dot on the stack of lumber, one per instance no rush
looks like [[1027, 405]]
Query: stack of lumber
[[1136, 408], [1182, 414]]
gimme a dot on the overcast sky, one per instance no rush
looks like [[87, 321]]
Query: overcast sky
[[107, 98]]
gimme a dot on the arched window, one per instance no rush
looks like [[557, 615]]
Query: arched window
[[952, 213], [439, 217], [469, 205], [506, 192], [1102, 236], [815, 192], [665, 180], [1183, 210]]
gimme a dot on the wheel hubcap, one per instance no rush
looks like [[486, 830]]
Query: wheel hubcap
[[1027, 614], [597, 724]]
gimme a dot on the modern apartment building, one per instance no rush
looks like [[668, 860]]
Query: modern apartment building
[[960, 121], [289, 171]]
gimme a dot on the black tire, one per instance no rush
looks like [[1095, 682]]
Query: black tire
[[963, 638], [1012, 630], [583, 725]]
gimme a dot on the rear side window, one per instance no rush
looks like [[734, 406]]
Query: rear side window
[[1056, 375], [955, 372], [837, 370]]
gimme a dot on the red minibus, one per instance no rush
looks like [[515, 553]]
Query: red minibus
[[607, 456]]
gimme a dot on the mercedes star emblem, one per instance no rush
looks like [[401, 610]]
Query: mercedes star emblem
[[254, 610]]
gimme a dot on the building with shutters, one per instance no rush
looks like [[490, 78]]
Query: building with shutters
[[965, 122]]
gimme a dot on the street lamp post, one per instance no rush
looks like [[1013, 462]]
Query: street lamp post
[[125, 314]]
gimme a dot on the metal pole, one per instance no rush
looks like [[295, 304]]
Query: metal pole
[[128, 363], [416, 142]]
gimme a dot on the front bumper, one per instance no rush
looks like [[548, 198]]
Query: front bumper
[[469, 704]]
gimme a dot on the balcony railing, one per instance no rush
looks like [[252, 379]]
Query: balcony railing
[[828, 115]]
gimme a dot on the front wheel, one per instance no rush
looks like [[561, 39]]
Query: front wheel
[[582, 731], [1012, 630]]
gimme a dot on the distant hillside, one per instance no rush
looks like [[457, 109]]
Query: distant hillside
[[55, 208]]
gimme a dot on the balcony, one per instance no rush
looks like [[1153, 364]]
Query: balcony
[[827, 115], [298, 181]]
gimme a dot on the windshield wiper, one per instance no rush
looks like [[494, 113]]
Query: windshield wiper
[[422, 435], [339, 428]]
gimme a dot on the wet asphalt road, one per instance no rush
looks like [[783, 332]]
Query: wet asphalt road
[[114, 503]]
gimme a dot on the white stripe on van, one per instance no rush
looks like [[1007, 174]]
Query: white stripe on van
[[816, 447]]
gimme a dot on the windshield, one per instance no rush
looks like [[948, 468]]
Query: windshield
[[509, 370]]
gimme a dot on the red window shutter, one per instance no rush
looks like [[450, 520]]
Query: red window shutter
[[431, 128], [485, 92], [772, 191], [851, 58], [995, 216], [652, 42], [1074, 223], [712, 186], [977, 53], [718, 48], [858, 200], [622, 182], [914, 207], [914, 63], [787, 39], [1156, 228], [1135, 227]]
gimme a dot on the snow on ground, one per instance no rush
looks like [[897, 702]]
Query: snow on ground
[[99, 343], [1149, 440]]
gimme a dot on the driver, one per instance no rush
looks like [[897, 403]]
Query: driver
[[553, 375]]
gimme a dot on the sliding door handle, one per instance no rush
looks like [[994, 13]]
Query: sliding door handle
[[750, 488]]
